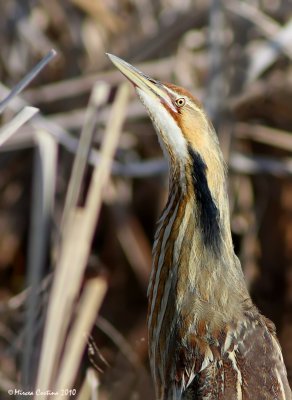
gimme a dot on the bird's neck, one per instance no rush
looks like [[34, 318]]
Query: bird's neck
[[200, 186], [195, 241]]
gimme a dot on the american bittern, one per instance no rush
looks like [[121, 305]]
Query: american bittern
[[206, 338]]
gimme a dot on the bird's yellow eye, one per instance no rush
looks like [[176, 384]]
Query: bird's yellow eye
[[180, 102]]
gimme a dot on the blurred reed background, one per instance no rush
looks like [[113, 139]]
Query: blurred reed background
[[76, 147]]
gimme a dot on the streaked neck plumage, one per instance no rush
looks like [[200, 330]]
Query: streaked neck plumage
[[197, 211]]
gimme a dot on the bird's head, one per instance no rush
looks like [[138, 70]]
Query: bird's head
[[182, 126]]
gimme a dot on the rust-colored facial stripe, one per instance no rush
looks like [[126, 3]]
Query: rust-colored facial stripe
[[184, 93], [190, 117]]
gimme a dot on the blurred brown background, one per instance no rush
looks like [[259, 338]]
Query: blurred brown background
[[236, 57]]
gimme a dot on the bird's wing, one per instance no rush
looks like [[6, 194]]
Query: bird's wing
[[249, 367]]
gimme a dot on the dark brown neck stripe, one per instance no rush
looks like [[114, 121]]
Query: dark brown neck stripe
[[208, 215]]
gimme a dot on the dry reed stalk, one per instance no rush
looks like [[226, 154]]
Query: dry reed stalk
[[264, 134], [12, 126], [42, 206], [89, 388], [74, 252], [88, 307], [99, 95]]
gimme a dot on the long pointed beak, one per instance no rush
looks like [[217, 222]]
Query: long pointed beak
[[141, 81]]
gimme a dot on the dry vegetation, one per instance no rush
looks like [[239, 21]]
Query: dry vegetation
[[77, 148]]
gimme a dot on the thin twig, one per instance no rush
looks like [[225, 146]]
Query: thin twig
[[27, 79], [269, 27], [245, 164], [119, 340]]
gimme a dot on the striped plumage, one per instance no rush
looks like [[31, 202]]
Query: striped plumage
[[206, 338]]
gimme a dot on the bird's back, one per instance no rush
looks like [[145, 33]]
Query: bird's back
[[244, 363]]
